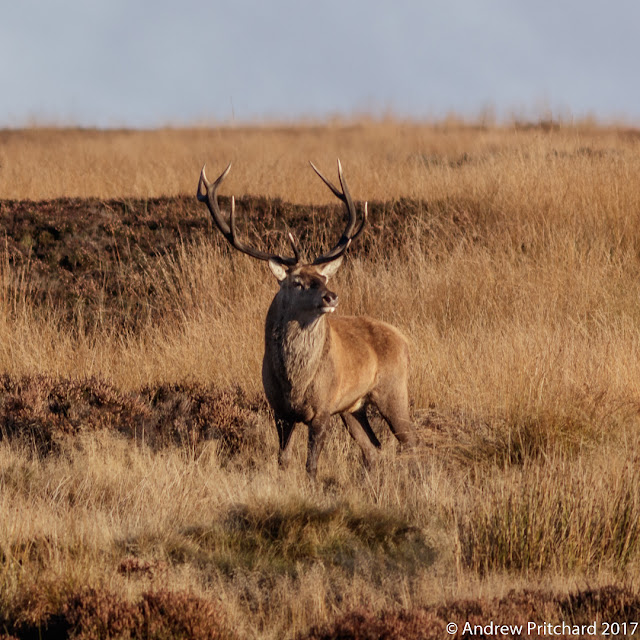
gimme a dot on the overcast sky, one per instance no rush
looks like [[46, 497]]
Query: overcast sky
[[137, 63]]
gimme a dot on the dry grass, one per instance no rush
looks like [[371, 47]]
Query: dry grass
[[514, 270], [384, 160]]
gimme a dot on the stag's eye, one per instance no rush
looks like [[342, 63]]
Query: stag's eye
[[298, 284]]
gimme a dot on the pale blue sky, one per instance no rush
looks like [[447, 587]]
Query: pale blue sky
[[142, 64]]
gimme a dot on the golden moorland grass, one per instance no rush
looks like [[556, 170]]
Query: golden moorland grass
[[383, 160], [512, 263]]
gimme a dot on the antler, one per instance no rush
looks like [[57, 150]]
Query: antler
[[210, 197], [348, 234]]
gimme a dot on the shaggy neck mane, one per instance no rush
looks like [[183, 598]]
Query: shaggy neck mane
[[295, 346]]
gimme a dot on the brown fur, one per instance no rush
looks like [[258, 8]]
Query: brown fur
[[317, 365]]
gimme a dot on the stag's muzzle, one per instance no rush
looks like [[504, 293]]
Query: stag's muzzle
[[329, 302]]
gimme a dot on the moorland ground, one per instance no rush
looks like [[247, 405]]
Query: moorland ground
[[139, 491]]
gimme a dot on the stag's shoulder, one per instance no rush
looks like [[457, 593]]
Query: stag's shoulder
[[364, 324]]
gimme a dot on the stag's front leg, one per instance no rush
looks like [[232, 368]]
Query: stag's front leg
[[318, 430], [285, 429]]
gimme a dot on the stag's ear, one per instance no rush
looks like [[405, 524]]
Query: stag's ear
[[279, 271], [328, 270]]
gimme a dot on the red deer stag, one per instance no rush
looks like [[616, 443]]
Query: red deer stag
[[316, 363]]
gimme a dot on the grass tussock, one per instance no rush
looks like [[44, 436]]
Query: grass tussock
[[140, 454], [554, 517], [287, 538]]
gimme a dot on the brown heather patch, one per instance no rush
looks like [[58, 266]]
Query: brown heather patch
[[44, 412], [610, 603], [387, 625], [92, 614], [96, 262], [87, 258], [189, 414], [97, 614]]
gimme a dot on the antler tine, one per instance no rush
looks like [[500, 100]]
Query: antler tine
[[210, 198], [348, 234], [336, 192], [348, 201], [294, 246], [365, 215]]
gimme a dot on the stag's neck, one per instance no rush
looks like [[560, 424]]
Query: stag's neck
[[295, 347]]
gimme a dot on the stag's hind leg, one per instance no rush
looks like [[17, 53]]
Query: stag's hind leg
[[358, 426], [393, 404]]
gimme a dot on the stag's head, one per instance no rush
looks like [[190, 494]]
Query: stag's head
[[303, 286]]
